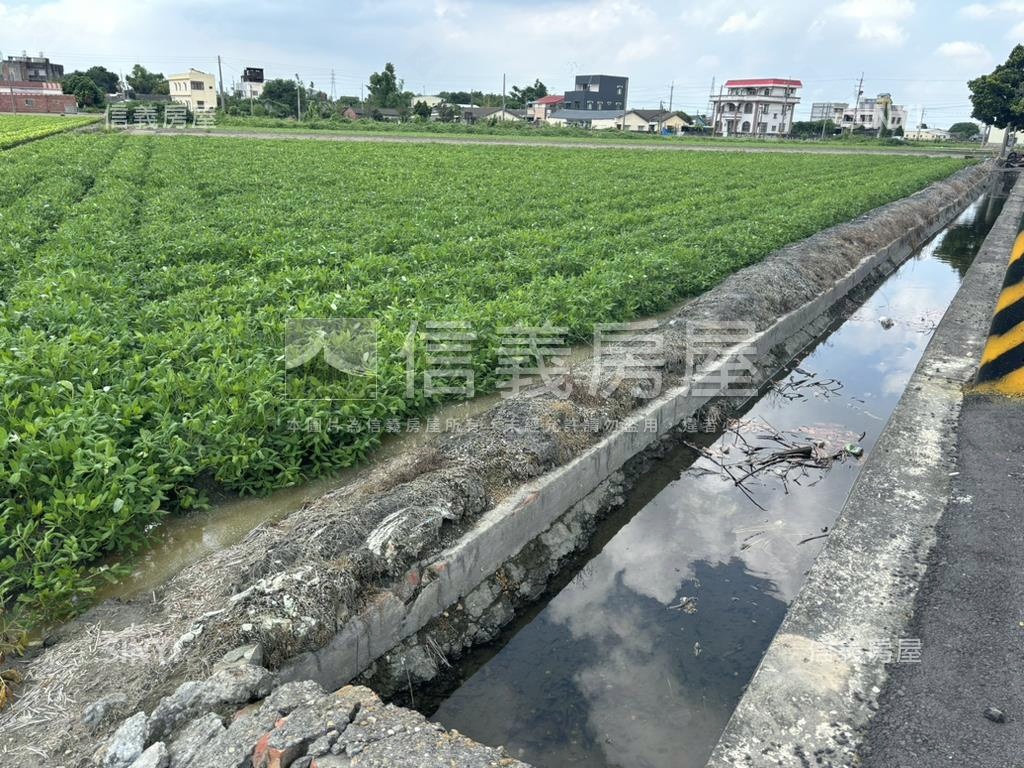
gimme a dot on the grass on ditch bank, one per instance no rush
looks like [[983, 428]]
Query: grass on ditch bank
[[145, 284]]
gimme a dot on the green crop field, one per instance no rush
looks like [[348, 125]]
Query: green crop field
[[145, 283], [17, 129]]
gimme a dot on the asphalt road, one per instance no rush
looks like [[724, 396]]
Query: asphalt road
[[969, 614]]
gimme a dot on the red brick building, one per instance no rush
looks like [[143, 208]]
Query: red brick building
[[25, 97]]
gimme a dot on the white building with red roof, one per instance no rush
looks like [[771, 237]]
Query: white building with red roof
[[538, 111], [755, 107]]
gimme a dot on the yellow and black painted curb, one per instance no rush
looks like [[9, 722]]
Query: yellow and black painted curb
[[1002, 362]]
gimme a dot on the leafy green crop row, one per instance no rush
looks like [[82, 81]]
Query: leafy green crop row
[[147, 282], [17, 129]]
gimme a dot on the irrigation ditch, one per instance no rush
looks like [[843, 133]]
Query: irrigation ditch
[[390, 580]]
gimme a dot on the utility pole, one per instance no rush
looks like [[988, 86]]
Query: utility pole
[[298, 96], [671, 95], [785, 108], [856, 102], [502, 95], [718, 106], [625, 97], [920, 123], [332, 85], [711, 105], [223, 98]]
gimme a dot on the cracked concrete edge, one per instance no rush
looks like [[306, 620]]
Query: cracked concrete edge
[[504, 530], [817, 686]]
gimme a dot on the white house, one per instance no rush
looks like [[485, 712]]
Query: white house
[[996, 137], [928, 134], [252, 83], [654, 121], [195, 89], [755, 107], [876, 113], [829, 110], [598, 119]]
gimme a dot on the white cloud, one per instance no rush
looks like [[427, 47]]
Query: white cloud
[[977, 11], [962, 52], [742, 22], [879, 21], [988, 10]]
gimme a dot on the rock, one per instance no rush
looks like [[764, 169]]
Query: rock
[[225, 689], [333, 761], [193, 740], [886, 322], [175, 709], [96, 713], [237, 685], [128, 742], [156, 756], [293, 695], [322, 745], [995, 714], [251, 655]]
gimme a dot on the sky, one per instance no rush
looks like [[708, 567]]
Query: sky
[[922, 53]]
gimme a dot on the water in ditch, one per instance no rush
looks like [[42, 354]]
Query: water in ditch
[[639, 658]]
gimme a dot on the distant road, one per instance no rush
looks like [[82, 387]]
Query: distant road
[[681, 147]]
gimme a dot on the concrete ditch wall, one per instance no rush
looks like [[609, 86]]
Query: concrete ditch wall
[[817, 687], [338, 585], [469, 590]]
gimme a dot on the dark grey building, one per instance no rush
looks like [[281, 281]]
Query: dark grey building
[[598, 92], [31, 69]]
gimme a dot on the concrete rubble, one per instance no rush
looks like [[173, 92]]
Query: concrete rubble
[[232, 720]]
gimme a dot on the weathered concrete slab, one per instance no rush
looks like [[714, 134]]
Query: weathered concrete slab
[[297, 726]]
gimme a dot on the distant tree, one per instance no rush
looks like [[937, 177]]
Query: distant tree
[[923, 126], [421, 110], [141, 80], [812, 129], [386, 90], [83, 89], [446, 113], [456, 97], [105, 80], [898, 132], [476, 98], [964, 131], [998, 97], [520, 97], [346, 101], [279, 97]]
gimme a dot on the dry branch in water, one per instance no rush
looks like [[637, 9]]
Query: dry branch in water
[[752, 451]]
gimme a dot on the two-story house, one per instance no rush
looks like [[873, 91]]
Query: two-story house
[[195, 89]]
